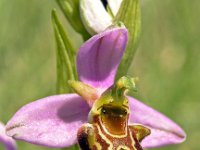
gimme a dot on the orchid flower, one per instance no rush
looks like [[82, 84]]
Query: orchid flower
[[54, 121], [7, 141]]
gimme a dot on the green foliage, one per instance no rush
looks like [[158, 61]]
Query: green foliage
[[129, 14], [66, 69], [70, 8]]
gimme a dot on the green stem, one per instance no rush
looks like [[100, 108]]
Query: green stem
[[129, 13]]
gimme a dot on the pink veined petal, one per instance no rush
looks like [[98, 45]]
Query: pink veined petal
[[7, 141], [99, 57], [52, 121], [163, 130]]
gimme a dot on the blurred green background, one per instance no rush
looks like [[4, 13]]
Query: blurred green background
[[167, 61]]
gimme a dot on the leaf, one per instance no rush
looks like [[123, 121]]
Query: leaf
[[71, 11], [129, 13], [66, 69]]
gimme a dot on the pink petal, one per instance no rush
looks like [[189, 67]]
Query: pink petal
[[99, 57], [163, 130], [7, 141], [52, 121]]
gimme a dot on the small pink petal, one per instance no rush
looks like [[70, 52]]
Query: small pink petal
[[163, 130], [7, 141], [99, 57], [52, 121]]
